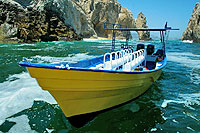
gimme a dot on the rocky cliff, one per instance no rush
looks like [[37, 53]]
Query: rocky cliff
[[101, 11], [50, 20], [193, 29], [31, 25], [141, 23]]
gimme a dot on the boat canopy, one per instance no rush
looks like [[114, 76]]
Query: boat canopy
[[118, 27]]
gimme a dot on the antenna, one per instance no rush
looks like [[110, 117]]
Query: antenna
[[166, 25]]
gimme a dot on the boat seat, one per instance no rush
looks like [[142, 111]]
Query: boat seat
[[150, 49], [140, 46], [125, 59]]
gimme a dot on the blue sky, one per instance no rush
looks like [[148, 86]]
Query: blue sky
[[176, 12]]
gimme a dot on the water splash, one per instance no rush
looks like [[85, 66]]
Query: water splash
[[187, 99], [18, 93]]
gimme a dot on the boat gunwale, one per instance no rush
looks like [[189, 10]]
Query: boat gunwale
[[53, 66]]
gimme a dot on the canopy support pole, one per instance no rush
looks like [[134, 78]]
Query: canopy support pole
[[127, 37], [162, 39], [113, 40]]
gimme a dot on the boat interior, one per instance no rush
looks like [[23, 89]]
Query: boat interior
[[144, 58], [126, 59]]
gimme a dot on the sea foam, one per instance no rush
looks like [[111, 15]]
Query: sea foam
[[187, 99], [19, 94]]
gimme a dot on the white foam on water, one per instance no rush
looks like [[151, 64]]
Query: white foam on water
[[1, 122], [153, 129], [21, 125], [89, 40], [191, 99], [190, 129], [21, 49], [19, 94], [195, 76], [165, 102], [191, 116], [188, 60], [104, 41], [187, 99], [49, 130], [184, 58], [187, 41], [71, 57], [164, 118], [26, 44], [175, 121]]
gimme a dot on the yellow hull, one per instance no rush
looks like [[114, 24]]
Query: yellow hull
[[80, 92]]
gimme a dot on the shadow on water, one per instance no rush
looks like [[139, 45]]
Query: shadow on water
[[139, 115]]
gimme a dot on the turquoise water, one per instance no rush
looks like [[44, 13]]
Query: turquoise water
[[172, 104]]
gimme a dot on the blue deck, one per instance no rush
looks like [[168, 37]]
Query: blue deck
[[84, 65]]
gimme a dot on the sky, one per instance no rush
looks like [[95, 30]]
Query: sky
[[176, 12]]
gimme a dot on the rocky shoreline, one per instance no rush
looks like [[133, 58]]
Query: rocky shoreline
[[49, 20]]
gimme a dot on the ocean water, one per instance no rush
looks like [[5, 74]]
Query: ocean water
[[172, 103]]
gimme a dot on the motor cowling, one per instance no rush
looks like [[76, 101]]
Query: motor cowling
[[150, 49]]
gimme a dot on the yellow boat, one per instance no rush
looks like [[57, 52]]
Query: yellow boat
[[100, 83]]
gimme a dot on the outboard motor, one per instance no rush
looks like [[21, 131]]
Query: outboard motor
[[150, 49], [140, 46], [159, 52], [150, 59]]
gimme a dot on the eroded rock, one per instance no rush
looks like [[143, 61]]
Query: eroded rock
[[193, 29], [141, 23]]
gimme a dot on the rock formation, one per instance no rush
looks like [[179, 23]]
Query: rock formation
[[193, 29], [31, 25], [111, 11], [51, 20], [141, 23]]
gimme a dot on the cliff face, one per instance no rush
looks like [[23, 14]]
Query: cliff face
[[31, 25], [101, 11], [193, 29], [50, 20]]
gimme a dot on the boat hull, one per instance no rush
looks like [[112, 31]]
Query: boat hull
[[79, 92]]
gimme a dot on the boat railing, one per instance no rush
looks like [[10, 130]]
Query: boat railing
[[126, 60]]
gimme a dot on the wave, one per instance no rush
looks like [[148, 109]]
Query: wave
[[187, 99], [186, 58], [21, 126], [71, 57], [19, 94], [187, 41]]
